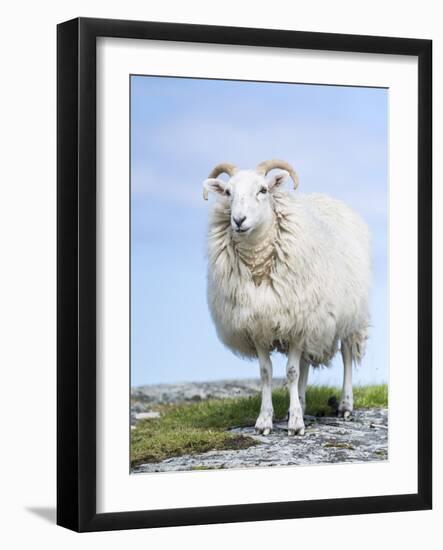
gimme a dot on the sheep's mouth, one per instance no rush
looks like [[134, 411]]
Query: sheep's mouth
[[241, 229]]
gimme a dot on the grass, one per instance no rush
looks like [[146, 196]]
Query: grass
[[200, 427]]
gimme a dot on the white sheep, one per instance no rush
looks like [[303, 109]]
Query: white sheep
[[286, 272]]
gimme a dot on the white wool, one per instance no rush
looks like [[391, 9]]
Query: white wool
[[310, 289]]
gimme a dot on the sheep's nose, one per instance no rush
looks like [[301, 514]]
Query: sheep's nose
[[239, 221]]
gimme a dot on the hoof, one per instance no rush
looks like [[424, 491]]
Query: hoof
[[296, 426], [345, 409], [263, 425], [300, 431]]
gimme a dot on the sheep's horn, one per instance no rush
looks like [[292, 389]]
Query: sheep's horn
[[223, 168], [268, 165]]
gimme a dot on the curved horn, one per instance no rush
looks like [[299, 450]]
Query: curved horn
[[268, 165], [223, 168]]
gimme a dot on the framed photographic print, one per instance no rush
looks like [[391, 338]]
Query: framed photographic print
[[244, 274]]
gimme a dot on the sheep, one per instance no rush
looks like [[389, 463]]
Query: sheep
[[287, 272]]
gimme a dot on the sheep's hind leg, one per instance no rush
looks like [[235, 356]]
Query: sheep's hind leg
[[296, 424], [346, 405], [264, 420], [302, 383]]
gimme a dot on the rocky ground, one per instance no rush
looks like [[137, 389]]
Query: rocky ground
[[363, 438]]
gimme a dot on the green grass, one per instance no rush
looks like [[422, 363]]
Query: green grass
[[200, 427], [365, 397]]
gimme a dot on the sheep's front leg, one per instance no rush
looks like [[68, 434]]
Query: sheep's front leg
[[264, 421], [296, 424], [302, 383], [347, 399]]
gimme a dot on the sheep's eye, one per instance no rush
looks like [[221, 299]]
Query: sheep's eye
[[263, 190], [227, 192]]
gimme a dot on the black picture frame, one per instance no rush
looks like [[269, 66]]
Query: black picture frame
[[76, 273]]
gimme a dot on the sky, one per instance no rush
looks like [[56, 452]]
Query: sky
[[336, 139]]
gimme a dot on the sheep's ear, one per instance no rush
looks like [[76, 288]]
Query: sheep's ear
[[276, 181], [214, 186]]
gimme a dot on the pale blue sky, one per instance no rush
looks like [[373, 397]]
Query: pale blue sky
[[335, 137]]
